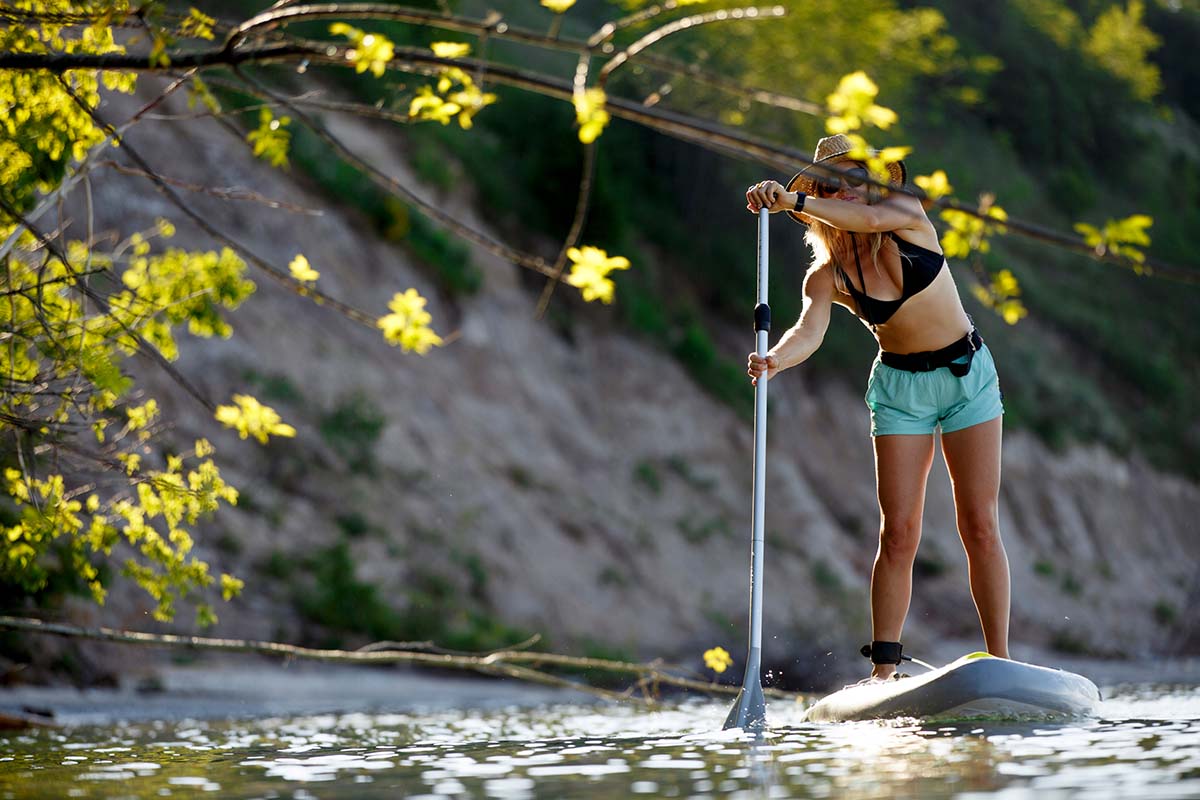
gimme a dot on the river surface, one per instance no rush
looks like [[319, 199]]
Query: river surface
[[1144, 743]]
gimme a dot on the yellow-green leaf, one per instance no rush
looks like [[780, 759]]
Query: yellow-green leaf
[[589, 272], [250, 418], [301, 271], [717, 659], [408, 324], [935, 186], [450, 49], [590, 114]]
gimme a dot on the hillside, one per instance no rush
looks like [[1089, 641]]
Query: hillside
[[586, 476], [574, 481]]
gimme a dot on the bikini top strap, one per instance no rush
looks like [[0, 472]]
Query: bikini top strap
[[861, 281]]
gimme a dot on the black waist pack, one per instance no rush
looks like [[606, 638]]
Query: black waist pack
[[932, 359]]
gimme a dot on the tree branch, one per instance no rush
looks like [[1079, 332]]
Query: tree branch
[[503, 662], [680, 126]]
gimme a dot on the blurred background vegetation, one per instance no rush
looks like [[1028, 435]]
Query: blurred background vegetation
[[1065, 111]]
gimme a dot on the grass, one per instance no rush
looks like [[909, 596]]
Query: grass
[[353, 524], [721, 377], [698, 531], [644, 474], [1067, 642], [681, 468], [277, 388], [929, 566], [430, 609], [352, 428], [824, 576]]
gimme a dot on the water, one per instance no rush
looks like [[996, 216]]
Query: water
[[1145, 743]]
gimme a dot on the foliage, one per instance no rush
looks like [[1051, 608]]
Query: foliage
[[1003, 296], [1120, 43], [447, 102], [75, 311], [63, 371], [590, 114], [1118, 236], [50, 125]]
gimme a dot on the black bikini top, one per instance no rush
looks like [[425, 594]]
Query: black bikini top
[[919, 267]]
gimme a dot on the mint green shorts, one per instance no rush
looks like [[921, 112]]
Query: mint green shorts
[[919, 402]]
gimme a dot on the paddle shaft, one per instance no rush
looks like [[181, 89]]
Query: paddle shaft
[[762, 328]]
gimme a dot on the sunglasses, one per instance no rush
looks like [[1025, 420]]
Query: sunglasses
[[832, 184]]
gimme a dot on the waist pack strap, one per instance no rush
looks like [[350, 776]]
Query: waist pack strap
[[931, 360]]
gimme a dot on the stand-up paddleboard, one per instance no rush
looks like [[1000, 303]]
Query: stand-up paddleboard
[[976, 685]]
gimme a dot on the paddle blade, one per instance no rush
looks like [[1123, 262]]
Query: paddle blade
[[749, 711]]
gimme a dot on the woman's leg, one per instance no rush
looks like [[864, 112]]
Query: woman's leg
[[973, 458], [901, 467]]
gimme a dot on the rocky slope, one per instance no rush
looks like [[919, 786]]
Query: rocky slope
[[572, 480]]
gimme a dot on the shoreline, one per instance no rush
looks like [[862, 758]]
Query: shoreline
[[243, 690], [239, 688]]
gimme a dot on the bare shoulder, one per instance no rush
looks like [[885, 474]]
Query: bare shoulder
[[819, 279], [916, 228]]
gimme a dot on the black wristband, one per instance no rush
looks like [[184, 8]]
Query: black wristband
[[800, 198]]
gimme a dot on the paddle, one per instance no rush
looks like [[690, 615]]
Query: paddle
[[749, 711]]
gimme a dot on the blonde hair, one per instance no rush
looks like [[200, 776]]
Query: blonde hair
[[832, 244]]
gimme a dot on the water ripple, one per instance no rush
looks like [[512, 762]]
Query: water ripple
[[1145, 743]]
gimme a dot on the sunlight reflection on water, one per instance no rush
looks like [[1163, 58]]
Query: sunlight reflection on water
[[1144, 743]]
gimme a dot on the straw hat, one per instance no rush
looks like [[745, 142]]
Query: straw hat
[[832, 150]]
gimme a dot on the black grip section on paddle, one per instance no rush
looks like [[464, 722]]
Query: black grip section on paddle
[[762, 317]]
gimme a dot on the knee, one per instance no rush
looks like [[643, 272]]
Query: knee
[[979, 526], [898, 539]]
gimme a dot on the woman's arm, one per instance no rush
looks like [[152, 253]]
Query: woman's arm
[[896, 212], [803, 338]]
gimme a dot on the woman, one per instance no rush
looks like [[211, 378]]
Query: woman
[[876, 253]]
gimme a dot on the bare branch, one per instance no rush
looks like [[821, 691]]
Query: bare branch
[[387, 182], [581, 207], [503, 662], [684, 24], [231, 193], [689, 129]]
